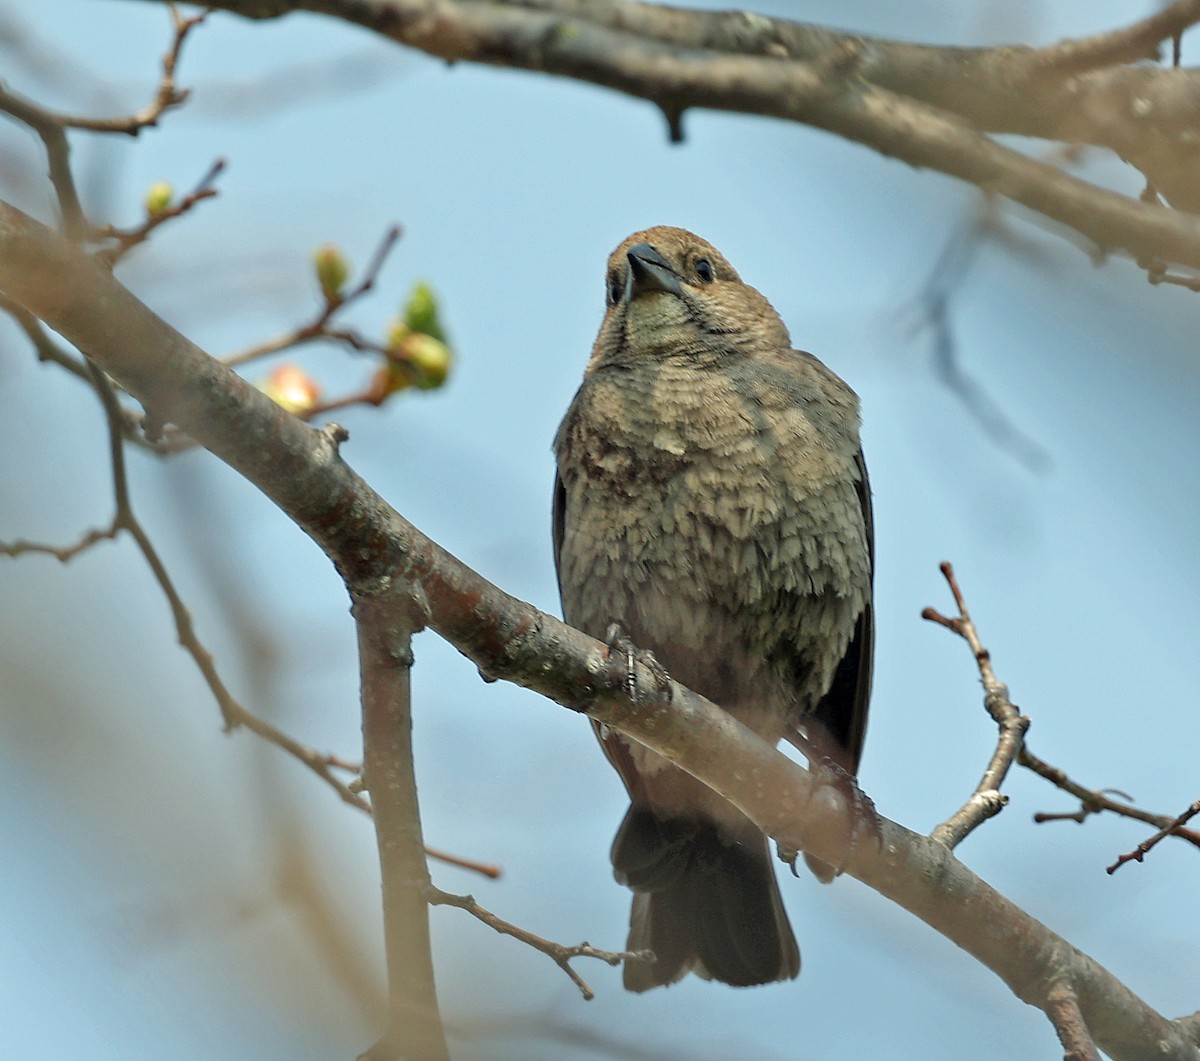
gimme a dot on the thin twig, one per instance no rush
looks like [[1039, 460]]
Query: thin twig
[[166, 96], [236, 715], [987, 800], [1139, 853], [558, 952], [318, 327], [63, 553], [124, 240], [486, 869], [51, 126], [233, 713], [47, 349], [324, 765], [1094, 801], [132, 421], [1157, 274]]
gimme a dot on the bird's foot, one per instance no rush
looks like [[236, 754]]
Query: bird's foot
[[620, 645], [834, 780]]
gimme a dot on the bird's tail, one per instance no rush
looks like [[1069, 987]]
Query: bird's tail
[[705, 901]]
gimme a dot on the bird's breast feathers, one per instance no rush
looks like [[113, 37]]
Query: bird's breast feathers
[[688, 468]]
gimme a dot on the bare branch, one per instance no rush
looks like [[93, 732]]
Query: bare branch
[[386, 615], [558, 952], [50, 128], [987, 800], [63, 553], [124, 519], [47, 349], [1157, 274], [484, 869], [166, 97], [1093, 801], [233, 713], [322, 765], [1139, 853]]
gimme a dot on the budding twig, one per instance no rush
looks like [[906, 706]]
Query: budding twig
[[319, 327], [126, 239]]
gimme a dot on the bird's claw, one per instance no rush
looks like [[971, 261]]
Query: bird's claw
[[864, 819], [618, 644], [788, 855]]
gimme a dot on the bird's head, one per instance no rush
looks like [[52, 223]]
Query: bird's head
[[672, 294]]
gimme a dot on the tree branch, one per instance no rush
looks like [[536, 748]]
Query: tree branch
[[986, 801], [1175, 826], [302, 471], [50, 129], [1067, 1018], [125, 240], [561, 954], [52, 126], [166, 95], [332, 304], [928, 106], [1093, 801], [386, 616]]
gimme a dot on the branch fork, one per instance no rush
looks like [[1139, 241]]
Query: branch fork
[[987, 800]]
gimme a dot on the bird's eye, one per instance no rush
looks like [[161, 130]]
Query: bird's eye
[[615, 288], [704, 270]]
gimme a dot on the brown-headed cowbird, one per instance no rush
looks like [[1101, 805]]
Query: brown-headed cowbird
[[712, 500]]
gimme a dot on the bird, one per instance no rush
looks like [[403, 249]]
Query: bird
[[711, 505]]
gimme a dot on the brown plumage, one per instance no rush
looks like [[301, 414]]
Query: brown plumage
[[712, 500]]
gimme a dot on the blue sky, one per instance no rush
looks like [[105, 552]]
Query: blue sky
[[144, 847]]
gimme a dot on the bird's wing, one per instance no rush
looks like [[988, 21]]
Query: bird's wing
[[842, 712], [558, 526]]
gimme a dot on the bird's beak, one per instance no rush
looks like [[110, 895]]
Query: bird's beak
[[648, 271]]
